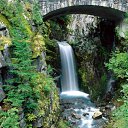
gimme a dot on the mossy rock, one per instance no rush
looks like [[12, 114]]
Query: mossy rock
[[4, 41], [37, 45], [5, 21]]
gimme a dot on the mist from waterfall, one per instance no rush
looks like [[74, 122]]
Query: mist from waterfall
[[69, 80]]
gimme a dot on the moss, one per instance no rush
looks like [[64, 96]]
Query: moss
[[5, 21], [63, 124], [121, 123], [37, 45], [58, 27], [38, 93], [48, 103], [4, 41], [97, 91]]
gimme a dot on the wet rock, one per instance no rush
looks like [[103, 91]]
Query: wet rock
[[75, 113], [6, 54], [22, 123], [76, 116], [97, 115], [107, 109], [38, 122], [2, 61], [2, 94], [110, 107], [85, 114], [43, 65], [73, 123]]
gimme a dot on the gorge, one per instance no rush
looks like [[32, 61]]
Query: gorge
[[42, 85]]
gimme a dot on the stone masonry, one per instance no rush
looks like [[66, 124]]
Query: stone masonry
[[52, 5]]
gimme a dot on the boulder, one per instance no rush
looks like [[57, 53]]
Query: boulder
[[76, 116], [85, 114], [97, 115]]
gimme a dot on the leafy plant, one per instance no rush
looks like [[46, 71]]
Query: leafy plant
[[119, 64], [33, 92], [8, 118], [63, 124]]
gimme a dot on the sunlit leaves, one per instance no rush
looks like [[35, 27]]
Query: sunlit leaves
[[119, 64], [37, 45], [4, 42]]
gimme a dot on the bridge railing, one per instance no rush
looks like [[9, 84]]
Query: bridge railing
[[51, 5]]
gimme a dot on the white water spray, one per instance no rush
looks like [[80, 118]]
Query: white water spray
[[69, 81]]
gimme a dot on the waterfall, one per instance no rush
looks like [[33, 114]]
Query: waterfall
[[76, 105], [69, 81]]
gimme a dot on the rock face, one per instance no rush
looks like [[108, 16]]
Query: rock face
[[2, 61], [97, 115], [3, 33], [49, 114], [2, 94], [92, 39], [40, 63], [123, 28]]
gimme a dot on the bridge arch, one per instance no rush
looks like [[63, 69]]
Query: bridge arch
[[104, 12], [110, 9]]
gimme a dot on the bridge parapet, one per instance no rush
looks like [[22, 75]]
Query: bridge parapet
[[52, 5]]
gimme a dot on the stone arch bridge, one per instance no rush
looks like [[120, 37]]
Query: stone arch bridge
[[111, 9]]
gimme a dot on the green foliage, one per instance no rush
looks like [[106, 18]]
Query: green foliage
[[16, 14], [57, 28], [119, 64], [27, 89], [9, 119], [100, 86], [121, 123], [36, 14], [37, 45], [63, 124], [120, 115], [4, 20], [19, 90], [4, 41]]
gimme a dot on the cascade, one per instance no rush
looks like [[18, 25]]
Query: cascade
[[110, 85], [76, 106], [69, 81]]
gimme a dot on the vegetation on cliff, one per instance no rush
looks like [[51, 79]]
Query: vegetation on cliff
[[31, 96], [118, 63]]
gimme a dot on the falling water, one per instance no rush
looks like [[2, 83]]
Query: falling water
[[110, 85], [74, 101], [69, 80]]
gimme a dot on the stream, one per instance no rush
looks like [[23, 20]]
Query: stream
[[78, 109]]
